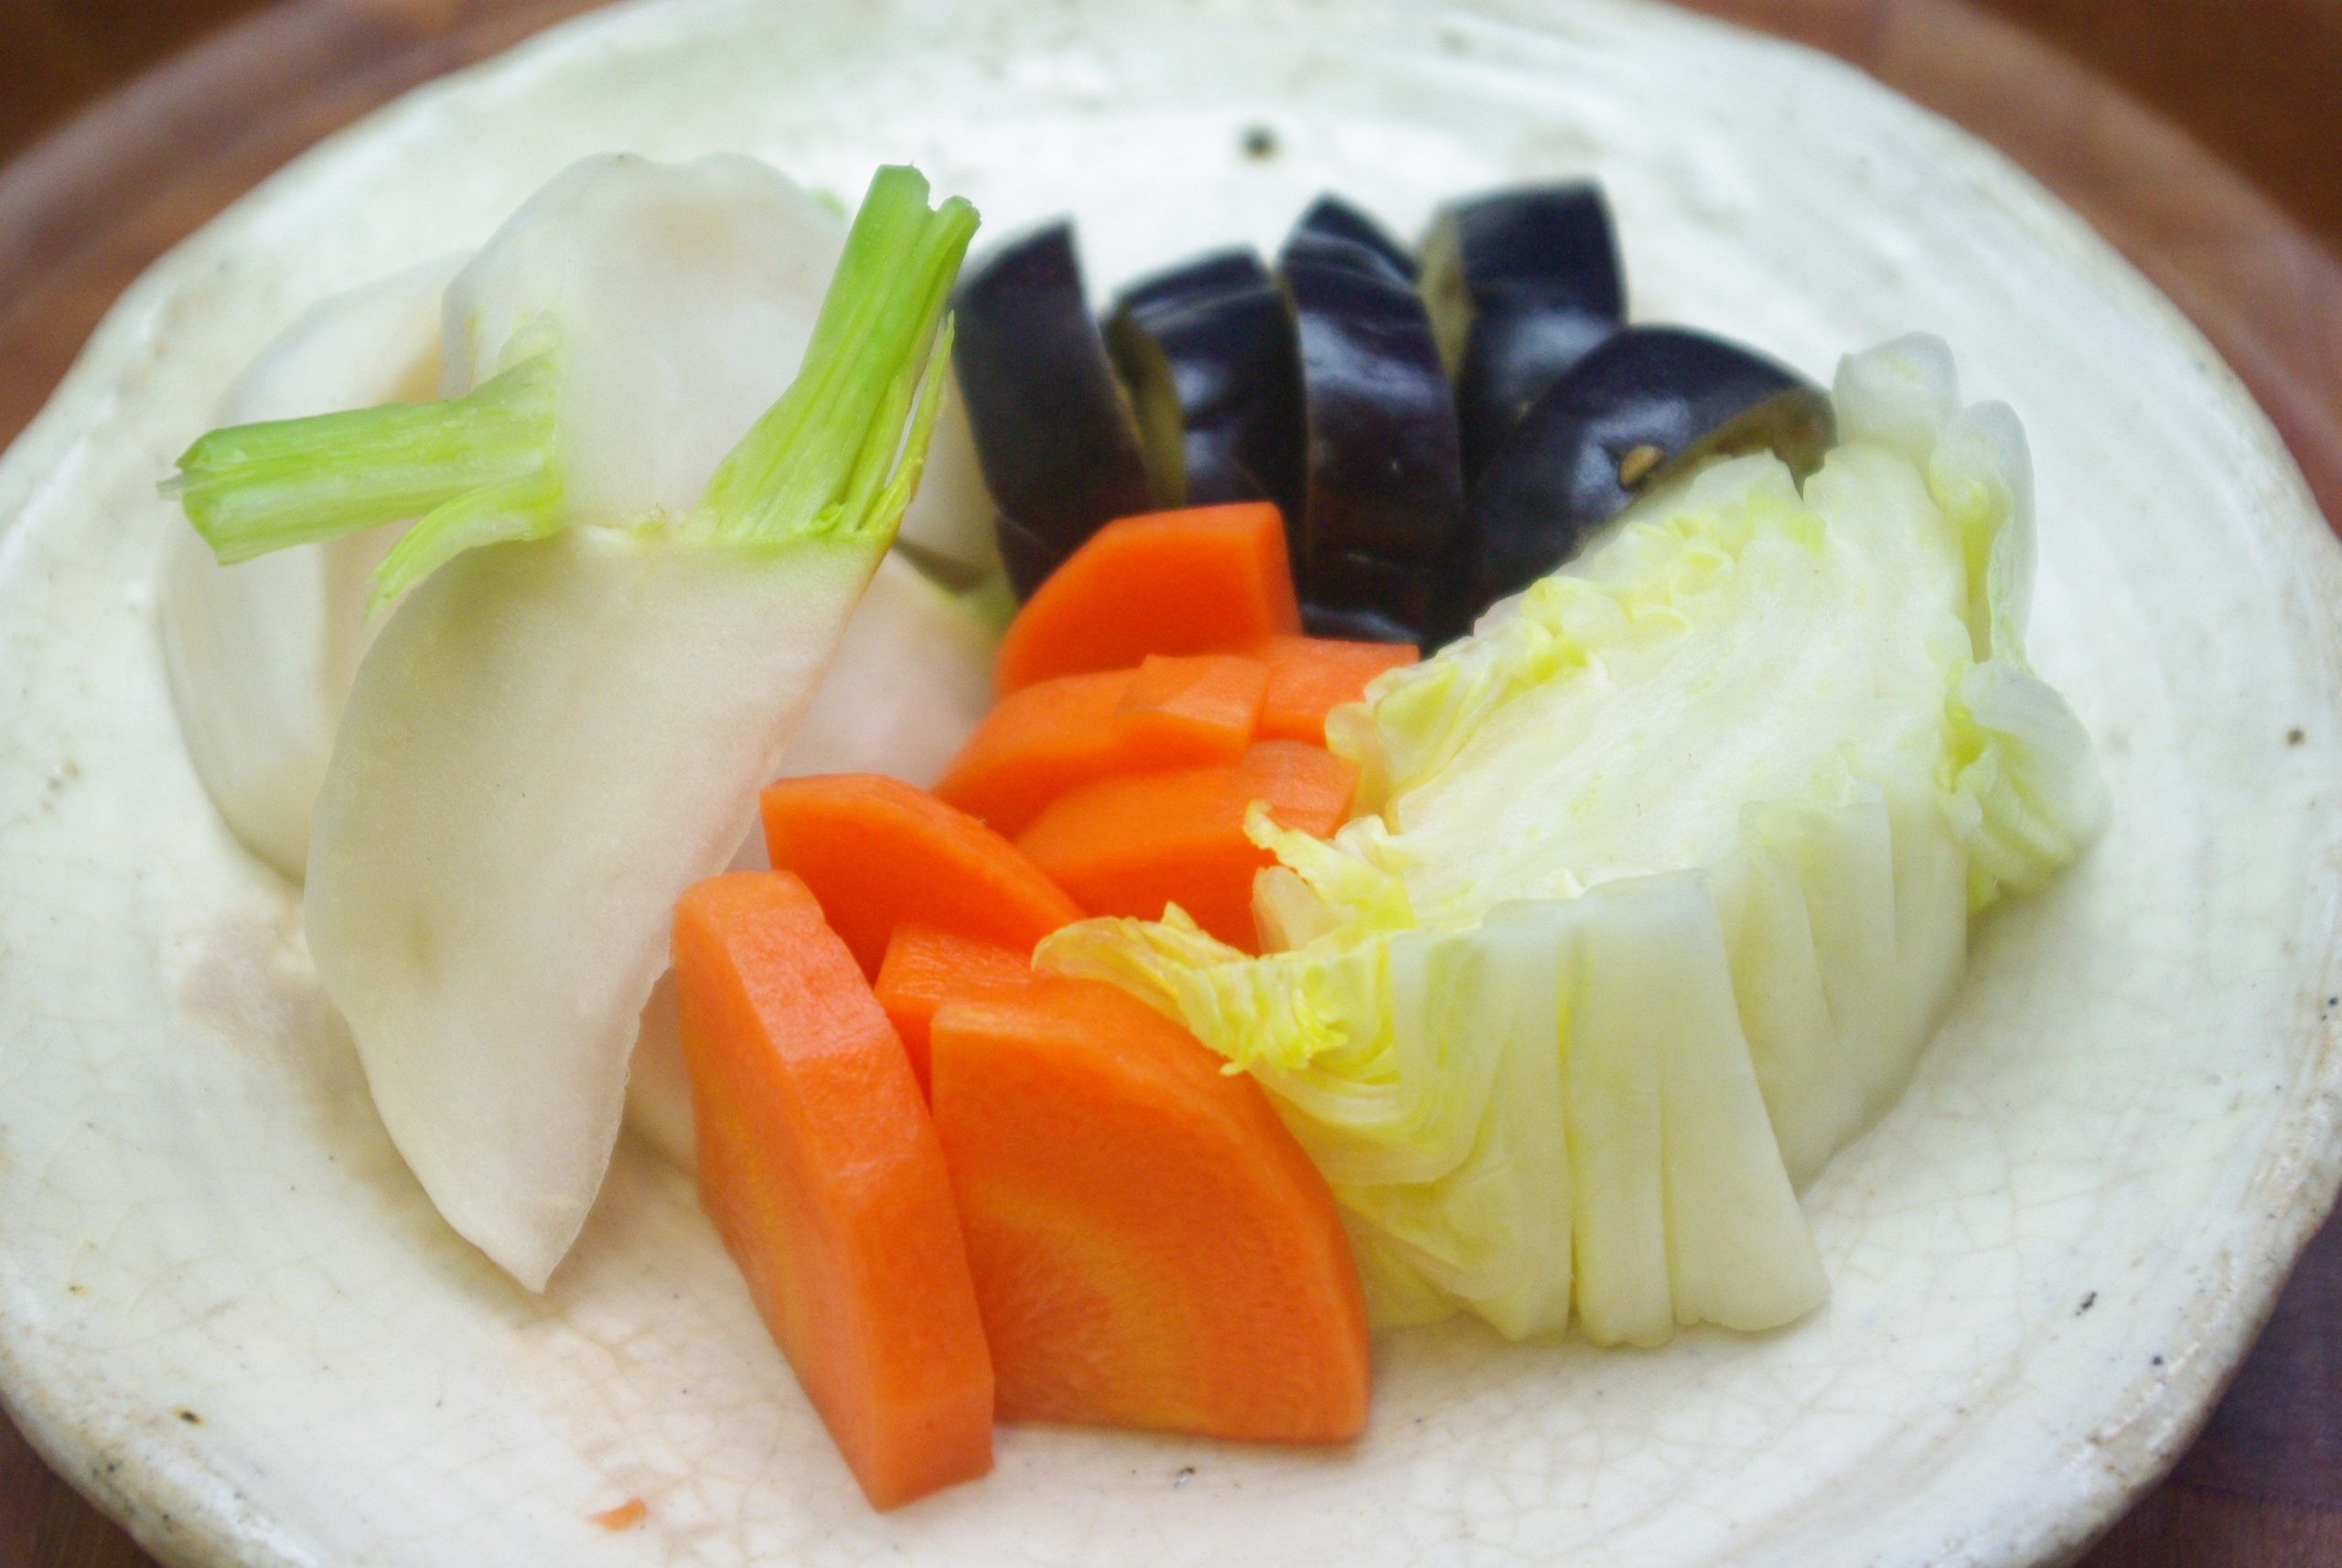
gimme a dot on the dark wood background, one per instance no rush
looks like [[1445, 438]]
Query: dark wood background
[[2202, 136]]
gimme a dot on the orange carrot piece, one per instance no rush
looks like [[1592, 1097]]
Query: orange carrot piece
[[1207, 580], [924, 966], [1034, 745], [822, 1172], [1054, 736], [1188, 711], [878, 852], [1129, 845], [1151, 1248], [626, 1516], [1309, 677]]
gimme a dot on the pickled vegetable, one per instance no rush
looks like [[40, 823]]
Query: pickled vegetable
[[1208, 353], [1384, 497], [1059, 448], [1024, 555], [1519, 283], [1632, 414], [1356, 626], [1332, 228], [1401, 593], [1207, 276]]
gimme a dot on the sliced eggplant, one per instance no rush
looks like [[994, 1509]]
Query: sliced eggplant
[[1519, 283], [1356, 626], [1408, 595], [1023, 557], [1383, 478], [1334, 230], [1057, 444], [1207, 276], [1630, 415], [1207, 354]]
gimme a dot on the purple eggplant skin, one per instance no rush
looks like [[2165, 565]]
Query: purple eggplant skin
[[1059, 447], [1521, 285], [1353, 625], [1645, 406], [1207, 276], [1334, 229], [1024, 558], [1215, 380], [1411, 594], [1384, 474]]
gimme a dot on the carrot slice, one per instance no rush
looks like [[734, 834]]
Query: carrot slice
[[878, 852], [1206, 580], [822, 1172], [1057, 734], [1129, 845], [1184, 712], [1151, 1248], [1034, 745], [1309, 677], [923, 966]]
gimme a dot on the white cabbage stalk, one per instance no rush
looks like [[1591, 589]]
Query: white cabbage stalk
[[261, 655], [566, 720], [1662, 881]]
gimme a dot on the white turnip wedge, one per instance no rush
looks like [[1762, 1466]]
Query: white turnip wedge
[[687, 294], [911, 680], [260, 654], [566, 719]]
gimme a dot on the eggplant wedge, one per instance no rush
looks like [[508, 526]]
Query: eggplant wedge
[[1355, 626], [1207, 277], [1411, 594], [1057, 441], [1338, 230], [1629, 416], [1207, 354], [1026, 560], [1383, 476], [1519, 285]]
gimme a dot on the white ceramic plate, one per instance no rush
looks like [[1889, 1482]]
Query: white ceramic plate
[[229, 1315]]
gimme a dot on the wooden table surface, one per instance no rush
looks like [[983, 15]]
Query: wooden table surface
[[2234, 216]]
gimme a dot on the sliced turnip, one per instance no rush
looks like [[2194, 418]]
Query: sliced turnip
[[597, 660], [260, 655]]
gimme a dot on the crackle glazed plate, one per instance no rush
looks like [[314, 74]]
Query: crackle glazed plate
[[229, 1315]]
